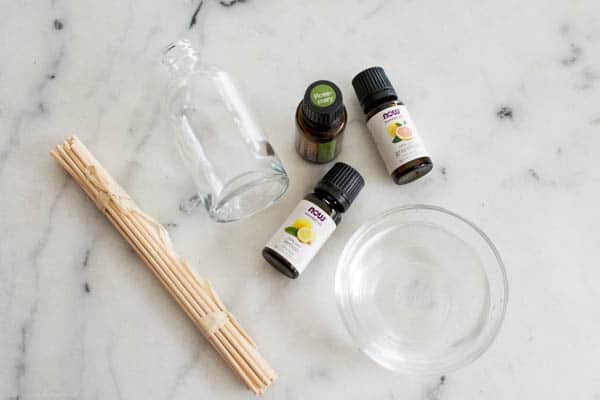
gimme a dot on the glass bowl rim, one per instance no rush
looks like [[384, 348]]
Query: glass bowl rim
[[350, 248]]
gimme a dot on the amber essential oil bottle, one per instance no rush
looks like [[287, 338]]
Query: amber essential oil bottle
[[391, 127], [320, 122], [313, 221]]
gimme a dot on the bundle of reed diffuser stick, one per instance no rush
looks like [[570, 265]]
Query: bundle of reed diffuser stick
[[151, 242]]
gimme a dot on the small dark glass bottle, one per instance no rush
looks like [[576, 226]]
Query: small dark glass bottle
[[320, 122], [313, 221], [391, 126]]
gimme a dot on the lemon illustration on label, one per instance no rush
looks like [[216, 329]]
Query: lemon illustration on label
[[301, 229], [399, 131], [306, 235], [302, 223]]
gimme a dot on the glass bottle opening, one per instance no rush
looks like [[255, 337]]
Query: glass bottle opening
[[180, 56]]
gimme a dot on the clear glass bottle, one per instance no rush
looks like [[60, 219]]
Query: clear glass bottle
[[232, 163]]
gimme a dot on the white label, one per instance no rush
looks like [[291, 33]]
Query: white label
[[302, 234], [396, 137]]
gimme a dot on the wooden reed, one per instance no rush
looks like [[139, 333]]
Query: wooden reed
[[151, 242]]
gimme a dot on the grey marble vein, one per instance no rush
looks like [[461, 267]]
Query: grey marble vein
[[435, 393], [195, 14], [28, 323], [34, 110], [230, 3], [113, 374]]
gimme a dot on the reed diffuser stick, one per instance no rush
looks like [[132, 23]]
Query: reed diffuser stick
[[152, 244]]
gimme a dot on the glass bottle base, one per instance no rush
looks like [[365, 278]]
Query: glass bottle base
[[246, 195]]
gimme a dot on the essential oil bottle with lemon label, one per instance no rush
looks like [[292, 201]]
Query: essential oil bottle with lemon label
[[313, 221], [320, 122], [392, 128]]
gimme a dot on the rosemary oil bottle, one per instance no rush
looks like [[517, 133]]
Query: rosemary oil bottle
[[320, 122]]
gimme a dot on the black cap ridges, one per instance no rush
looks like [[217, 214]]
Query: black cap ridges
[[343, 183], [372, 88], [322, 106]]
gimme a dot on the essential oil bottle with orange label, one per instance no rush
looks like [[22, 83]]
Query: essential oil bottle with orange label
[[312, 222], [391, 127]]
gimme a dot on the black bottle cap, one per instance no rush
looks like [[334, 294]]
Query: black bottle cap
[[373, 88], [322, 106], [343, 183]]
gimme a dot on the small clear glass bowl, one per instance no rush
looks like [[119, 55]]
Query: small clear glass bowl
[[421, 290]]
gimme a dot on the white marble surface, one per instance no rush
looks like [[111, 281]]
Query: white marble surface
[[81, 317]]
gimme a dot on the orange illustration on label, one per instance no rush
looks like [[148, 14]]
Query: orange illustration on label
[[399, 131]]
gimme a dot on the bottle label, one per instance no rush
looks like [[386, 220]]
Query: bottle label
[[317, 152], [302, 234], [396, 137], [322, 95]]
